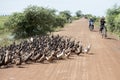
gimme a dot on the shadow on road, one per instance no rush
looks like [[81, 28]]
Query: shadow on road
[[94, 31], [91, 53], [111, 38]]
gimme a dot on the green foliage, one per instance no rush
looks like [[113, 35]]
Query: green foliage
[[2, 20], [14, 20], [117, 23], [79, 13], [39, 20], [95, 18], [88, 16], [34, 21], [66, 15], [75, 18], [113, 19], [60, 21]]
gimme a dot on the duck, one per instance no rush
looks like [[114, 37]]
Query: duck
[[42, 58], [7, 56], [50, 58], [87, 48], [68, 52], [79, 48], [61, 55]]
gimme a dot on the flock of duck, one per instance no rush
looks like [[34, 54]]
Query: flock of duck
[[40, 49]]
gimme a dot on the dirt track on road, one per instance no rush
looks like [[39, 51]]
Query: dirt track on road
[[102, 63]]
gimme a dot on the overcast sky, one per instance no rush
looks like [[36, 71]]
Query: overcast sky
[[95, 7]]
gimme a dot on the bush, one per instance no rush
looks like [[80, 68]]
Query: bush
[[113, 19], [60, 21], [117, 23], [34, 21], [66, 15]]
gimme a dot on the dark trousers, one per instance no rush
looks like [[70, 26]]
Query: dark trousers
[[101, 28]]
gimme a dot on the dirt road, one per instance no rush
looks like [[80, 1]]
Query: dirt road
[[102, 63]]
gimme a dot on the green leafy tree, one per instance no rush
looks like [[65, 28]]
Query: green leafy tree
[[112, 13], [79, 13], [60, 21], [66, 15], [117, 23], [33, 21]]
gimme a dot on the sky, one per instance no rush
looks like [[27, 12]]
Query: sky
[[94, 7]]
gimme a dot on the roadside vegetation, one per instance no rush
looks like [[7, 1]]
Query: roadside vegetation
[[113, 20], [34, 20]]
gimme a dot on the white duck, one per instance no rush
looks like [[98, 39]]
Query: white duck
[[50, 58], [87, 48], [61, 55]]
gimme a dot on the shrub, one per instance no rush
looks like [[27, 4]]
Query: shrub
[[34, 21]]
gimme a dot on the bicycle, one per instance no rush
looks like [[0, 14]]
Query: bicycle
[[91, 26], [104, 32]]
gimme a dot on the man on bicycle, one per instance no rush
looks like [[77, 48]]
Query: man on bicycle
[[91, 22], [102, 24]]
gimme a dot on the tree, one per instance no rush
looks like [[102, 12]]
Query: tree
[[79, 13], [112, 13], [117, 23], [60, 21], [33, 21], [66, 15]]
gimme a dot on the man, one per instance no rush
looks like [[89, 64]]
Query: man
[[102, 24], [91, 22]]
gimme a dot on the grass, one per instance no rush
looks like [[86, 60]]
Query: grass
[[2, 20], [5, 35]]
